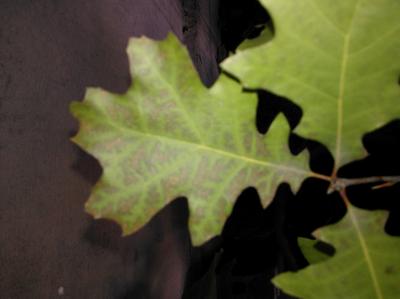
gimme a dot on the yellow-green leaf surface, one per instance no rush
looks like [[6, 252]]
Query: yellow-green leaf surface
[[310, 251], [366, 264], [339, 60], [169, 136]]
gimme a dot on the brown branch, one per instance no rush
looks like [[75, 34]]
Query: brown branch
[[339, 184]]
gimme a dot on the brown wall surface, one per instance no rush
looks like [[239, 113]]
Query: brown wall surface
[[49, 248]]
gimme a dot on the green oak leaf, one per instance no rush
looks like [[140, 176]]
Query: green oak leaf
[[265, 36], [339, 60], [366, 264], [169, 136], [310, 250]]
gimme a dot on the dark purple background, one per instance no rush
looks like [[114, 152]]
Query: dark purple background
[[49, 52]]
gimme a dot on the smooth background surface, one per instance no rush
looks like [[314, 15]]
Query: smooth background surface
[[49, 52]]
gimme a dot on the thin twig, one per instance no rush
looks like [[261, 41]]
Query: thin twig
[[342, 183], [383, 185]]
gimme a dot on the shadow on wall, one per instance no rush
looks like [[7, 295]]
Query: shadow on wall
[[157, 268], [50, 51]]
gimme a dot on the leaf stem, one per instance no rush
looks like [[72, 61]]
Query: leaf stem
[[321, 176]]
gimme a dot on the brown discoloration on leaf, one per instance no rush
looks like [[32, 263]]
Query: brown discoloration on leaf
[[184, 140]]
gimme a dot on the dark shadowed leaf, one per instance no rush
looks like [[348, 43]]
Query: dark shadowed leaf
[[366, 263]]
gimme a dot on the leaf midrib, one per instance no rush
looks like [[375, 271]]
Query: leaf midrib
[[221, 152], [225, 153], [341, 89], [342, 84], [367, 256]]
